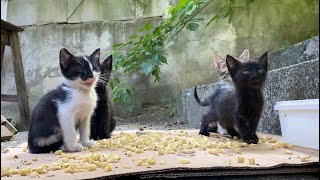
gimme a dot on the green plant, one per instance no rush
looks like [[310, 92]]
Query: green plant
[[144, 51]]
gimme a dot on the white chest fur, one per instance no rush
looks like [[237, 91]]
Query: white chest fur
[[79, 104]]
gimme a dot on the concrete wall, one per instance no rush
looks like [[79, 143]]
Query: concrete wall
[[4, 7], [83, 25]]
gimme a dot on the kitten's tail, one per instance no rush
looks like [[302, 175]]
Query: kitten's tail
[[203, 103]]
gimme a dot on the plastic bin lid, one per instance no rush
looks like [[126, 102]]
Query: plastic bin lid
[[297, 104]]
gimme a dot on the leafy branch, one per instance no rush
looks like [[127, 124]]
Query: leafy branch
[[144, 51]]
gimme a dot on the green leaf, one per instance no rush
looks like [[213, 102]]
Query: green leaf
[[216, 17], [133, 36], [192, 26], [197, 19], [146, 68], [162, 59], [146, 27], [118, 45]]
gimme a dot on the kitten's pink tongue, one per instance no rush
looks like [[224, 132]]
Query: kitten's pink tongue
[[89, 81]]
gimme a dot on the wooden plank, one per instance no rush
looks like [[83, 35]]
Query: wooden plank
[[10, 27], [5, 133], [5, 37], [9, 98], [2, 53], [20, 81], [9, 126]]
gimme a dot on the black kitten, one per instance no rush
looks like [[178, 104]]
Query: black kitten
[[239, 111], [55, 117], [102, 121]]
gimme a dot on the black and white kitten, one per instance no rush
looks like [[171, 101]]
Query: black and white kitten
[[59, 112], [239, 111], [225, 83], [102, 121]]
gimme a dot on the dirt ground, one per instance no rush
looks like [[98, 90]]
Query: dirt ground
[[150, 118]]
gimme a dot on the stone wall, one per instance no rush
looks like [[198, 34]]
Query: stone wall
[[84, 25], [295, 78]]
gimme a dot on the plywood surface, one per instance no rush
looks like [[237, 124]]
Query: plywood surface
[[265, 158]]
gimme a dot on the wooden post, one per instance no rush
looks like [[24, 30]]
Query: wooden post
[[2, 54], [19, 78]]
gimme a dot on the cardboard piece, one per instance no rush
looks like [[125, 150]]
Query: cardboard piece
[[201, 163]]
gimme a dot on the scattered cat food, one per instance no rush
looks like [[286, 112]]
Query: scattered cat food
[[214, 151], [58, 152], [237, 150], [240, 159], [183, 161], [141, 129], [288, 152], [305, 158], [107, 168], [252, 161]]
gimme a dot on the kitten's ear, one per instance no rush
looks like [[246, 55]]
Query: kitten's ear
[[219, 62], [232, 64], [264, 60], [65, 57], [95, 56], [107, 64], [244, 57]]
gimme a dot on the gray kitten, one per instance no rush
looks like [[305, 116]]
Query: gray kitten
[[225, 83], [239, 110]]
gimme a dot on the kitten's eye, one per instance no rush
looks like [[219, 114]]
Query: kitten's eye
[[245, 72], [261, 71]]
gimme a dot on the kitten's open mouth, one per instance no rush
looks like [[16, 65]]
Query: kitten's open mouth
[[89, 82]]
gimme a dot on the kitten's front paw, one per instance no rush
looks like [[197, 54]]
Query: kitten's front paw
[[88, 143], [204, 133], [251, 140], [73, 148]]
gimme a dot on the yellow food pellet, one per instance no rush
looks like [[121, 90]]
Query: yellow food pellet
[[58, 152], [129, 153], [272, 141], [34, 159], [183, 161], [107, 168], [126, 167], [240, 159], [27, 163], [305, 158], [140, 162], [7, 173], [252, 161], [139, 151], [162, 162], [24, 172], [161, 152], [214, 151], [41, 171], [235, 137], [229, 162], [272, 147], [34, 175], [15, 171], [237, 150], [288, 152]]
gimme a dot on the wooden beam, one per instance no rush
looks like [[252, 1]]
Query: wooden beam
[[9, 98], [20, 81], [2, 53], [5, 37], [10, 27]]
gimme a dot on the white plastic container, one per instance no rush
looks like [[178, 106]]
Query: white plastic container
[[300, 122]]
